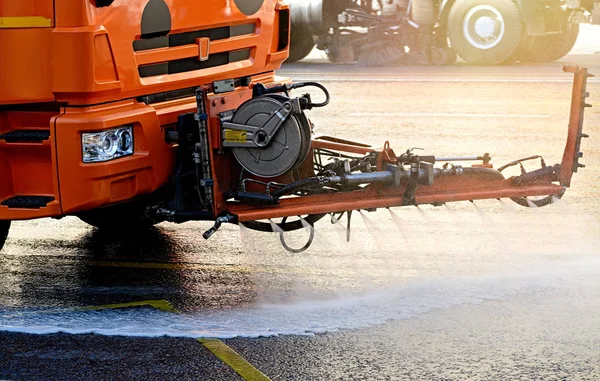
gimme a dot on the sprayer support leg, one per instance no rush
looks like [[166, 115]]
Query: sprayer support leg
[[4, 228]]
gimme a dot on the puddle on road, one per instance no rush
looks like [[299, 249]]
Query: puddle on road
[[310, 317]]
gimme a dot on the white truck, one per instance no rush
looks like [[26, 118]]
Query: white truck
[[481, 32]]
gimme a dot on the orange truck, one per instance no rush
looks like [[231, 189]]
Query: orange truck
[[127, 113]]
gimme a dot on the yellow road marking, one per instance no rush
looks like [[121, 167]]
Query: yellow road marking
[[162, 305], [226, 354], [25, 22], [234, 360]]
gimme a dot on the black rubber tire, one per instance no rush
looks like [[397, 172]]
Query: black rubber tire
[[496, 55], [302, 42], [333, 54], [124, 217], [542, 49], [442, 56], [4, 228], [451, 56]]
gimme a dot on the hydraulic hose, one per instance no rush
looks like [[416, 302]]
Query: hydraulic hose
[[260, 90], [284, 226], [317, 85], [299, 185], [487, 173]]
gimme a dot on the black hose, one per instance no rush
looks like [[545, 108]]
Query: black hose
[[199, 186], [314, 84], [266, 227], [299, 185], [487, 173]]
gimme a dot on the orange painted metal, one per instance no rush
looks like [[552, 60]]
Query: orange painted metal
[[575, 123], [86, 69], [344, 147], [361, 201], [28, 168], [86, 186], [29, 8], [445, 189], [85, 38], [22, 49]]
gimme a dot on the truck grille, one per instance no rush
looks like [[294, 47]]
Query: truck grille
[[191, 63]]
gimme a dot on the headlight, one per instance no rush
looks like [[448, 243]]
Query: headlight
[[107, 145]]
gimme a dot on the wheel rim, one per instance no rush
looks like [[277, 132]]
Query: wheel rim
[[484, 27]]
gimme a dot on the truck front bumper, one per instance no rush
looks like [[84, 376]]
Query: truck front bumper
[[43, 174]]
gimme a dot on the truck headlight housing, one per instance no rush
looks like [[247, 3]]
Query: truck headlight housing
[[107, 145]]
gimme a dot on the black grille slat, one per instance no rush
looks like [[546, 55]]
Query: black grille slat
[[28, 202], [151, 43], [168, 95], [152, 70], [26, 136], [191, 64], [189, 38], [284, 30]]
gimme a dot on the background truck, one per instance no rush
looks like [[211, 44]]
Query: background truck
[[482, 32]]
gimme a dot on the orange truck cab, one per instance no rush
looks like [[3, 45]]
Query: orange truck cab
[[75, 74]]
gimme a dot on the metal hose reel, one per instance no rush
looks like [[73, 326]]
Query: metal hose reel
[[269, 135]]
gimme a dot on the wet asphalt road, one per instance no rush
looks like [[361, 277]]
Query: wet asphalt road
[[485, 291]]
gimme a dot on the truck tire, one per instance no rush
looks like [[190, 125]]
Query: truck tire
[[125, 217], [302, 42], [4, 228], [549, 48], [485, 32]]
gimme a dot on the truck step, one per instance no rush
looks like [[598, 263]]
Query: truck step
[[26, 136], [28, 202]]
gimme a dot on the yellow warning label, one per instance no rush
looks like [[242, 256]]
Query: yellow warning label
[[25, 22], [233, 136]]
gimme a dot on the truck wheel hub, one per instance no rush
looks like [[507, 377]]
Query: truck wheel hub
[[484, 27]]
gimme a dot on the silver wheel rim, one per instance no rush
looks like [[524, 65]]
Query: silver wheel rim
[[484, 27]]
